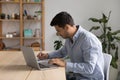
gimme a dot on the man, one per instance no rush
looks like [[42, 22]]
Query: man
[[82, 47]]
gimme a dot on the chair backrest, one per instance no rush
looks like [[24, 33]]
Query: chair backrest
[[107, 61]]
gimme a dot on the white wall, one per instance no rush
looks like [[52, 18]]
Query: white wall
[[81, 10]]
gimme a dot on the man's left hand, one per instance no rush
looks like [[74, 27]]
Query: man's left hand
[[57, 61]]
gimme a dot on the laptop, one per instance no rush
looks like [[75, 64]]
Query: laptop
[[32, 61]]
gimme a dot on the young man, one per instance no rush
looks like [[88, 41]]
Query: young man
[[83, 48]]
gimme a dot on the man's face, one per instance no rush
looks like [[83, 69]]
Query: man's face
[[63, 32]]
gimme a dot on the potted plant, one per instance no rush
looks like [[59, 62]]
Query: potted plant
[[109, 38], [2, 15], [38, 14], [58, 43]]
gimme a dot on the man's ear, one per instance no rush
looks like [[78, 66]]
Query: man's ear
[[66, 27]]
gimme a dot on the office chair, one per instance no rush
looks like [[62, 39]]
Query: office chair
[[107, 61]]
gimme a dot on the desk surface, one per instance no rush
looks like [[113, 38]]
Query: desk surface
[[13, 67]]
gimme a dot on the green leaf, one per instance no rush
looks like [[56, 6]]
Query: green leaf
[[109, 36], [57, 44], [104, 16], [38, 11], [114, 63], [94, 28], [103, 20], [116, 54], [112, 46], [94, 19], [117, 38], [115, 32], [104, 46], [109, 28]]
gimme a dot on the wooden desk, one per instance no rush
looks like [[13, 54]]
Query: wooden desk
[[13, 67]]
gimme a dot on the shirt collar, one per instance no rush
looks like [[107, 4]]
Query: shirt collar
[[76, 35]]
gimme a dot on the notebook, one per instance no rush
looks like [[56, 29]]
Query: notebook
[[32, 61]]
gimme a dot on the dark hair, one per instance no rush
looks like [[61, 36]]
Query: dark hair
[[61, 19]]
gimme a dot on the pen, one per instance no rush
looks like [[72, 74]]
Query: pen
[[40, 49]]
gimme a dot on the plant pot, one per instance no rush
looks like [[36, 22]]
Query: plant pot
[[39, 17], [2, 16], [113, 73]]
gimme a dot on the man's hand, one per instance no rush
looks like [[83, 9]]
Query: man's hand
[[57, 61], [42, 56]]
